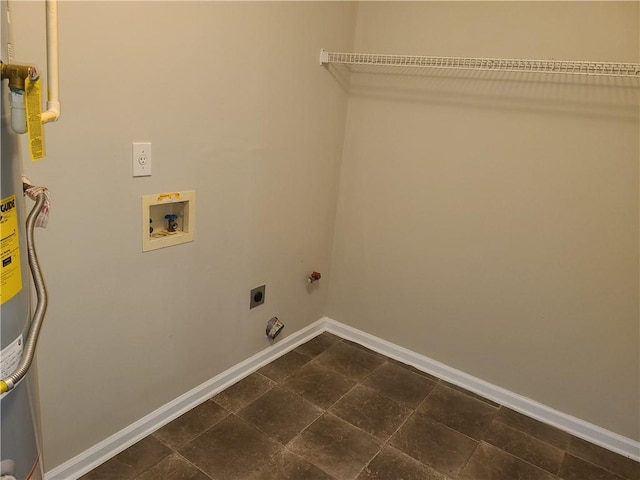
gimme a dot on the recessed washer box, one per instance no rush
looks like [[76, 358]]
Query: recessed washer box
[[172, 217]]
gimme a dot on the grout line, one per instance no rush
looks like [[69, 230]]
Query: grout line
[[154, 464], [475, 449], [369, 462], [537, 467], [206, 430], [564, 454], [598, 466], [193, 465]]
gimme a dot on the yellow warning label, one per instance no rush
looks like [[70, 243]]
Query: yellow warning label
[[33, 94], [11, 274]]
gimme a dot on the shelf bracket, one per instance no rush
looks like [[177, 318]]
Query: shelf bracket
[[324, 57]]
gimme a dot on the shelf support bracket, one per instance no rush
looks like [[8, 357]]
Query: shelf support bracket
[[324, 57]]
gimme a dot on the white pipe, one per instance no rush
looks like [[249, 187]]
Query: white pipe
[[53, 93]]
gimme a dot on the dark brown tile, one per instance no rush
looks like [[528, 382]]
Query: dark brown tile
[[132, 461], [413, 369], [318, 385], [459, 411], [364, 349], [434, 444], [110, 470], [471, 394], [393, 464], [374, 413], [241, 394], [188, 426], [491, 463], [400, 384], [174, 467], [231, 450], [317, 345], [289, 466], [280, 414], [623, 466], [350, 361], [284, 366], [574, 468], [335, 447], [524, 446], [533, 427]]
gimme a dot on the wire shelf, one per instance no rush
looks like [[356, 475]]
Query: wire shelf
[[487, 64]]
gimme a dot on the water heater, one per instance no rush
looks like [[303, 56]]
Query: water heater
[[19, 323]]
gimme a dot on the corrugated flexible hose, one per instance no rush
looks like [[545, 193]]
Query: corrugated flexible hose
[[29, 351]]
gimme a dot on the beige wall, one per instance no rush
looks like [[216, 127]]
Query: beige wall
[[237, 108], [487, 221], [490, 221]]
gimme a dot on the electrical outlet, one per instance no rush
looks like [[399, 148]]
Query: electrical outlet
[[257, 296], [141, 159]]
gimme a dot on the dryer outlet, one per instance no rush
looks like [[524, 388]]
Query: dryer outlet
[[257, 296]]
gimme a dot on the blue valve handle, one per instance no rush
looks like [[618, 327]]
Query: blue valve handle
[[171, 222]]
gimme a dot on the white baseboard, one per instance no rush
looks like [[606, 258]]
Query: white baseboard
[[119, 441], [575, 426], [111, 446]]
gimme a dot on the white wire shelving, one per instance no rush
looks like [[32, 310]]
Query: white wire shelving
[[571, 67]]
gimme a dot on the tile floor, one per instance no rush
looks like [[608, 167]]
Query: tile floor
[[333, 410]]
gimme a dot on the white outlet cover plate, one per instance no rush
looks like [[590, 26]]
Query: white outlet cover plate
[[141, 159]]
